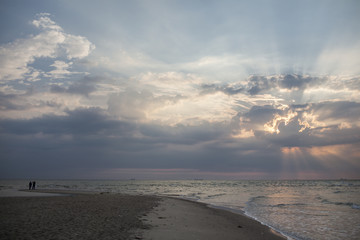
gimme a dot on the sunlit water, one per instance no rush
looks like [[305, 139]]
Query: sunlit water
[[298, 209]]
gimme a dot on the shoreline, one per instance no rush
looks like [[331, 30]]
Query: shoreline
[[178, 218], [121, 216], [231, 211], [243, 213]]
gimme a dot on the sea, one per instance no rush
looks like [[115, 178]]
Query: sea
[[322, 209]]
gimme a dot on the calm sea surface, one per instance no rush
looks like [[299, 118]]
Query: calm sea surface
[[298, 209]]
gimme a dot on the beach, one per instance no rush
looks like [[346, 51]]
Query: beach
[[120, 216], [178, 219], [73, 216]]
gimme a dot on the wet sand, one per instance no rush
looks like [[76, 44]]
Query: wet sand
[[176, 219], [118, 216]]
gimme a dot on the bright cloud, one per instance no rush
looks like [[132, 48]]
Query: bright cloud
[[16, 57]]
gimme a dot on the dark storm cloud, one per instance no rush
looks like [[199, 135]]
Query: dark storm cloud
[[90, 139], [185, 135], [83, 140], [76, 122], [94, 123], [85, 125], [87, 140]]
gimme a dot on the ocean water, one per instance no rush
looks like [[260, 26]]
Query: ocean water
[[297, 209]]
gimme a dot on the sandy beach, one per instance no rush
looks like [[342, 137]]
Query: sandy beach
[[74, 216], [118, 216]]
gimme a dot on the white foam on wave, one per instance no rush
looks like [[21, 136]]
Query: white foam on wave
[[355, 206]]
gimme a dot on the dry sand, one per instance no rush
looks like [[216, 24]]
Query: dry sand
[[118, 216], [78, 216]]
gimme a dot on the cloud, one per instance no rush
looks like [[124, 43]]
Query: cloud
[[313, 124], [286, 89], [9, 101], [258, 84], [56, 98], [294, 81], [226, 89], [339, 111], [138, 105], [91, 138], [261, 114], [77, 46], [44, 22], [174, 97], [85, 86], [131, 104], [84, 122], [61, 69], [16, 56], [207, 108], [170, 83], [168, 97]]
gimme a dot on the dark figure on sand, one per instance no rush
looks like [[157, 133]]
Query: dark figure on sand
[[33, 185], [30, 185]]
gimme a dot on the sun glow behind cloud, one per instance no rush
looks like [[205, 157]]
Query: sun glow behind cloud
[[330, 159]]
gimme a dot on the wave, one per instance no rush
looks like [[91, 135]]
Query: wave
[[350, 204], [258, 201], [258, 197], [355, 206], [288, 204]]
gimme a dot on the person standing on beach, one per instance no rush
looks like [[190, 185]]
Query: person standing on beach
[[33, 185], [30, 185]]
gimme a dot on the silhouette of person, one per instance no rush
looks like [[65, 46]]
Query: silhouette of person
[[30, 185], [33, 185]]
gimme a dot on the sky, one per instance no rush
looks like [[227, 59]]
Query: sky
[[180, 89]]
